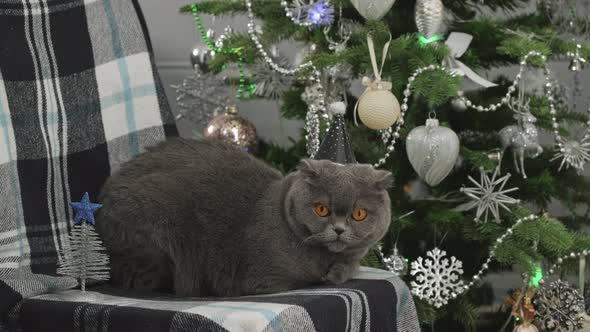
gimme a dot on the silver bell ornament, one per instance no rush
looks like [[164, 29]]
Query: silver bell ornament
[[377, 107], [373, 9], [578, 63], [396, 263], [432, 151]]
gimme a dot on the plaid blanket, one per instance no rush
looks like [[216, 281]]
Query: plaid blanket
[[79, 96], [374, 301]]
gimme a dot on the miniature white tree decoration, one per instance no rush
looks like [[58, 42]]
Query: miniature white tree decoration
[[84, 256]]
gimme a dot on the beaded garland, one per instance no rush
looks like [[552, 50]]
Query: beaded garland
[[390, 135], [236, 52], [485, 266], [499, 241], [312, 123]]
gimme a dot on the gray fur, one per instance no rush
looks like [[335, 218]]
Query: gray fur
[[206, 219]]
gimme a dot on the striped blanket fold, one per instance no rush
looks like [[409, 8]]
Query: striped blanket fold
[[374, 301]]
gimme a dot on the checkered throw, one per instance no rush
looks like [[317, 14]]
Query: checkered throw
[[79, 95], [374, 301]]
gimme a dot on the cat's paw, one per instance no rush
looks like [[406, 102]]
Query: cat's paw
[[339, 273]]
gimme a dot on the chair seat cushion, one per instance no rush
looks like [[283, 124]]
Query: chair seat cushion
[[374, 300]]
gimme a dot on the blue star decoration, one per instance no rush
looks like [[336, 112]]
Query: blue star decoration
[[84, 210]]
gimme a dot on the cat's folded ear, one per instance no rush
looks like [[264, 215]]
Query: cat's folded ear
[[383, 180], [309, 167]]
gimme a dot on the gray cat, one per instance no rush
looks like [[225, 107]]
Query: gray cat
[[202, 218]]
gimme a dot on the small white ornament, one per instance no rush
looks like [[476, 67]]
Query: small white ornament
[[432, 151], [377, 107], [373, 9], [488, 196], [438, 278]]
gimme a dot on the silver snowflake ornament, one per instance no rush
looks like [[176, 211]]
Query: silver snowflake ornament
[[270, 83], [437, 278], [559, 307], [573, 154], [200, 97], [313, 13], [488, 196]]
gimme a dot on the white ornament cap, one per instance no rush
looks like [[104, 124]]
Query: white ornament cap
[[432, 122], [337, 108]]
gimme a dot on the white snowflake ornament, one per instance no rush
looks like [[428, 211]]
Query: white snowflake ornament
[[438, 278]]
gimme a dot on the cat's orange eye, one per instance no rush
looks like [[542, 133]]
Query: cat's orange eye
[[359, 214], [321, 210]]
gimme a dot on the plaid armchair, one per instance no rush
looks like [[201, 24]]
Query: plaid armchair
[[79, 96]]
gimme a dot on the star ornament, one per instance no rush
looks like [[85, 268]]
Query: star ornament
[[84, 210], [574, 154], [488, 196]]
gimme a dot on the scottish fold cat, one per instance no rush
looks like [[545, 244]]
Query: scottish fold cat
[[202, 218]]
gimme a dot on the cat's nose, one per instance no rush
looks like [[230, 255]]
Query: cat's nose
[[339, 230]]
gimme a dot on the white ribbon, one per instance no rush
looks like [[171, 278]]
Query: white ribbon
[[458, 42], [376, 84]]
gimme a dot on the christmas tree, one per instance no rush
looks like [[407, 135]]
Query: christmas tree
[[463, 212], [84, 257]]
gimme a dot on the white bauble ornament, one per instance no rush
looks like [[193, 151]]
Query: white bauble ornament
[[373, 9], [378, 108], [432, 151]]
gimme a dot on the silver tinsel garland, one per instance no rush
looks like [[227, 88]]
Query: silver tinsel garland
[[84, 257]]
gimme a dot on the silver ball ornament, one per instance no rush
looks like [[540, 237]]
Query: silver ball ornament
[[233, 128], [201, 57]]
